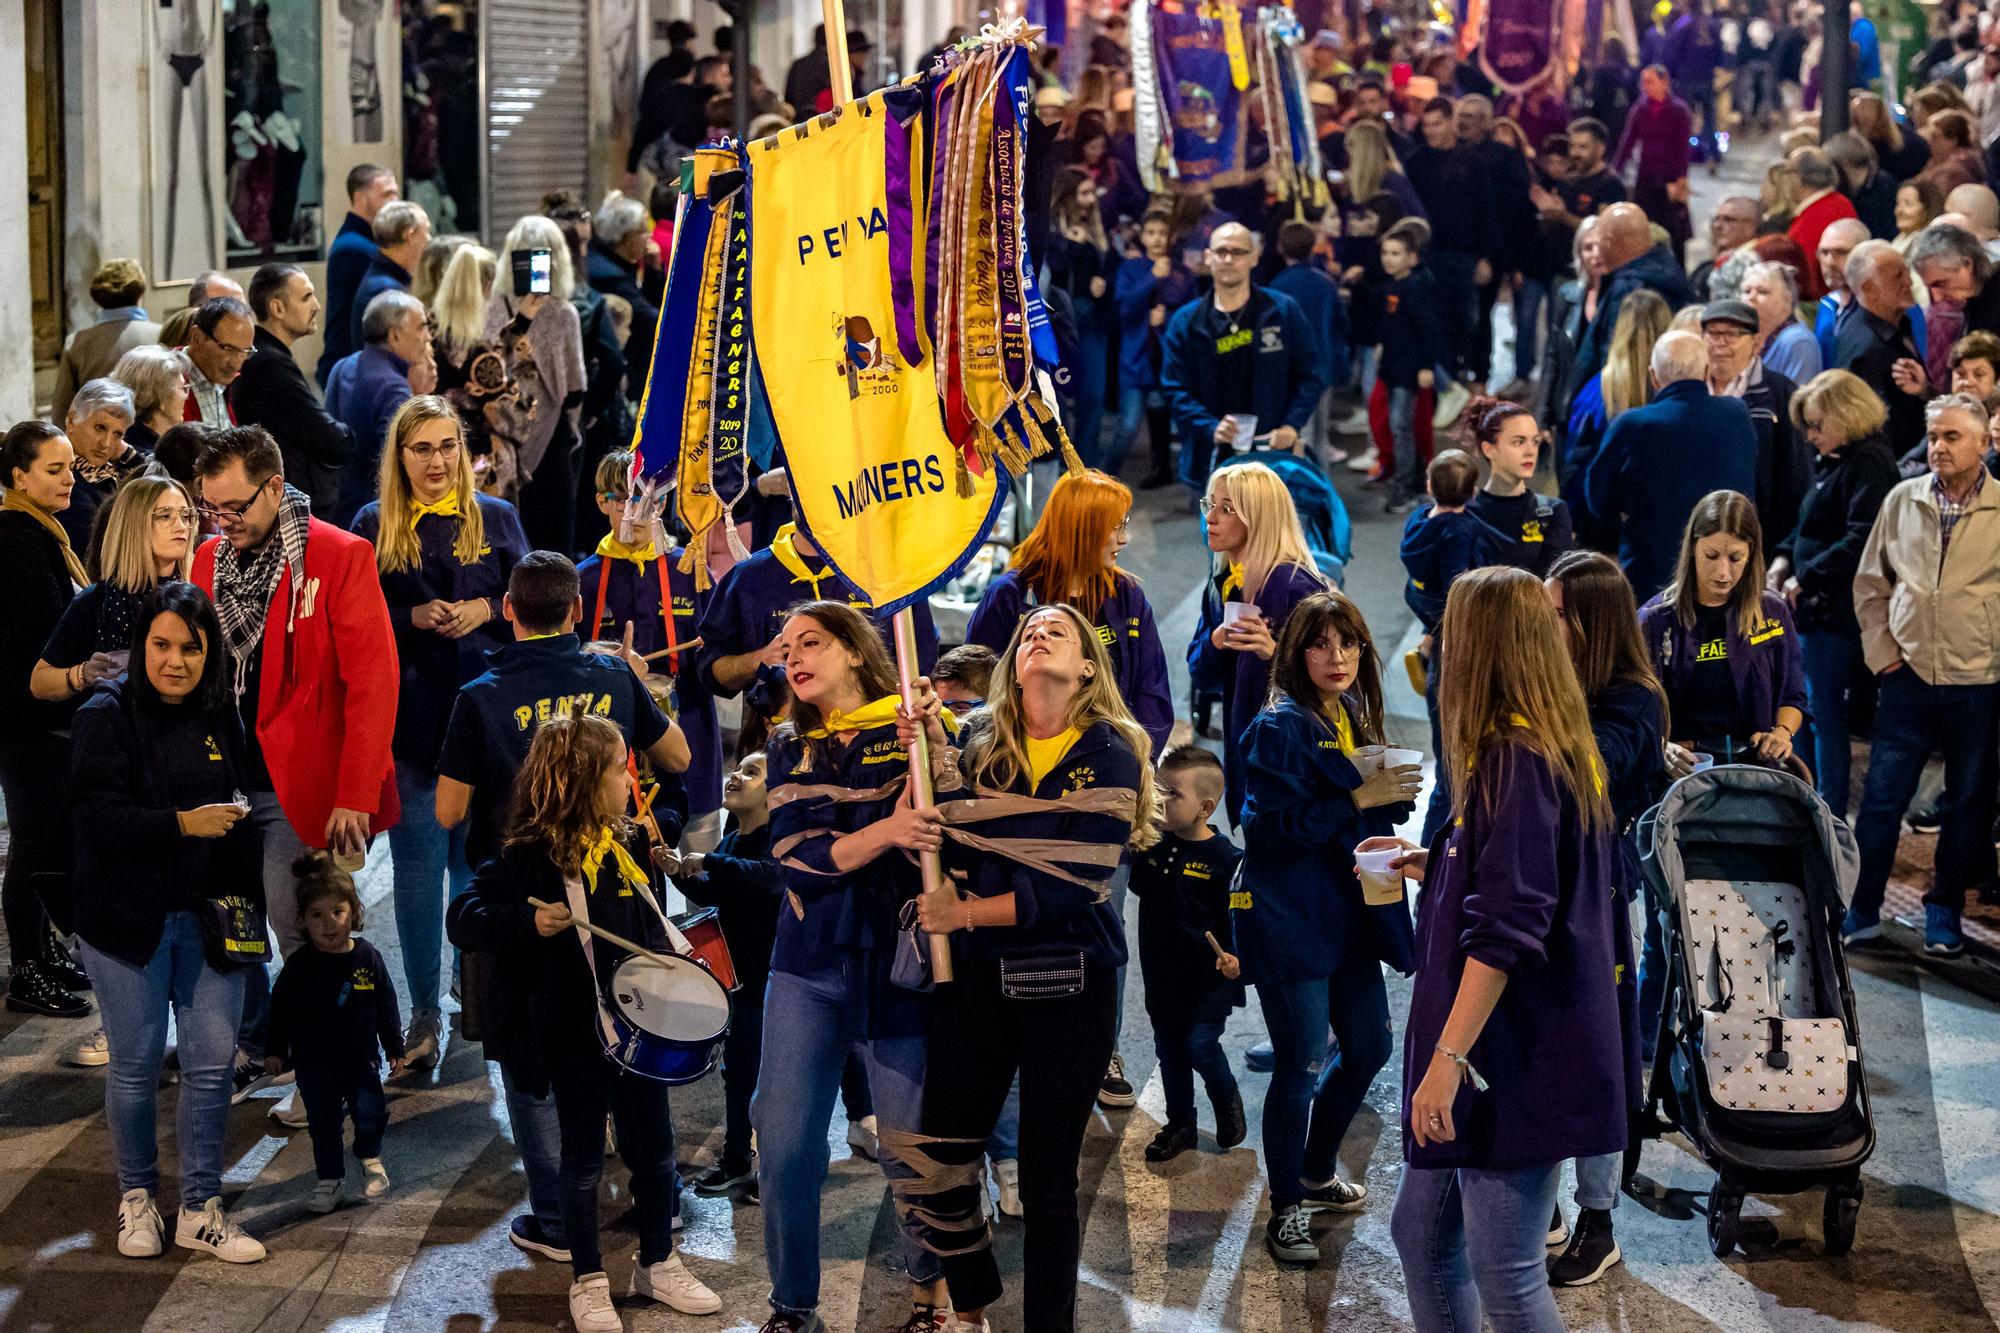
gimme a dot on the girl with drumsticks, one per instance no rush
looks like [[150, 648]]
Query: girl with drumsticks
[[570, 841], [1063, 787], [841, 825]]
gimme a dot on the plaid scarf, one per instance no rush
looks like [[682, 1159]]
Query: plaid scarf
[[244, 585]]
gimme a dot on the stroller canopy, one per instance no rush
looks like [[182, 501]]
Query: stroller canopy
[[1742, 805]]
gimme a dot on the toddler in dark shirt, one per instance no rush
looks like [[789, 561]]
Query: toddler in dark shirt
[[333, 1013]]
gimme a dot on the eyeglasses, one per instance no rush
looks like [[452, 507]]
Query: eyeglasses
[[170, 516], [1228, 252], [615, 497], [1124, 524], [424, 453], [230, 349], [232, 514], [1324, 648], [1728, 333], [1209, 506]]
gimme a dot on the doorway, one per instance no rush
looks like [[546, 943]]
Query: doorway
[[45, 177]]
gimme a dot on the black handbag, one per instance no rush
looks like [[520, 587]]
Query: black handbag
[[1055, 974], [911, 967], [232, 932]]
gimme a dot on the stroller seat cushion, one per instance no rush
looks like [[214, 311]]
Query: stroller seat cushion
[[1747, 952], [1776, 1064]]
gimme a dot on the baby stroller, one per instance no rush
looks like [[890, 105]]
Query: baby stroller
[[1759, 1055]]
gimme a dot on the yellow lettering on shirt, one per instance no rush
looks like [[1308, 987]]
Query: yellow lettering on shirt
[[528, 716], [1239, 900], [885, 752], [1196, 872], [1770, 629], [1715, 650], [1229, 342], [1105, 635], [1531, 531], [214, 751]]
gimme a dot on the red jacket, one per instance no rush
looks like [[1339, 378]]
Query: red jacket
[[326, 696], [1813, 219]]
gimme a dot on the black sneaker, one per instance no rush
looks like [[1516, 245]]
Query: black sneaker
[[1171, 1142], [33, 989], [531, 1237], [927, 1319], [1923, 819], [247, 1077], [793, 1323], [724, 1177], [1115, 1092], [1336, 1196], [1261, 1058], [1289, 1236], [1592, 1252], [1231, 1126], [1558, 1230]]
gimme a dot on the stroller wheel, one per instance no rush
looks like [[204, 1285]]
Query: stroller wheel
[[1724, 1216], [1843, 1209]]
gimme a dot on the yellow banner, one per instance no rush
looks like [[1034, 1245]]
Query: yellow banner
[[872, 470]]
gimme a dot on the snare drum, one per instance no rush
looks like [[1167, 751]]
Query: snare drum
[[665, 1022], [706, 945]]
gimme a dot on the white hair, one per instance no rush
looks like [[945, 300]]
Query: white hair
[[535, 232], [1678, 356], [618, 217], [386, 311], [102, 395]]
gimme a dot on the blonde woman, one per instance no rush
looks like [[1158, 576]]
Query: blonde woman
[[1373, 168], [1060, 770], [431, 265], [458, 312], [1262, 569], [1623, 384], [540, 339], [443, 552]]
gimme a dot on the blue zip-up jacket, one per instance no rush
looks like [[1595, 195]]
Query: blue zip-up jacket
[[1299, 912], [363, 392], [1243, 677], [830, 919], [1136, 291], [1126, 628], [1656, 464], [1657, 269], [1521, 886], [632, 594], [1766, 666], [434, 666], [383, 275], [1052, 913], [1285, 373], [1317, 296], [1436, 549], [347, 259]]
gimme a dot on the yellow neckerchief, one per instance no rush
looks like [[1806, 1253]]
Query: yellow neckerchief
[[1044, 755], [612, 549], [785, 549], [1596, 773], [607, 844], [1343, 729], [13, 499], [1232, 581], [445, 508], [875, 713]]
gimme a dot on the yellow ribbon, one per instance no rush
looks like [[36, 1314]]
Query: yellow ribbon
[[608, 845], [612, 549], [784, 548], [445, 508], [1232, 581], [875, 713]]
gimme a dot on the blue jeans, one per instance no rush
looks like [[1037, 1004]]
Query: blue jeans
[[1088, 371], [282, 848], [1911, 720], [810, 1024], [1312, 1101], [1652, 980], [1831, 659], [1473, 1241], [586, 1088], [1529, 299], [1004, 1143], [1131, 415], [1187, 1050], [426, 856], [538, 1138], [1408, 479], [329, 1095], [132, 1003], [1597, 1181]]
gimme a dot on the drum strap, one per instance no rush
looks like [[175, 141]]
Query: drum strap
[[580, 909]]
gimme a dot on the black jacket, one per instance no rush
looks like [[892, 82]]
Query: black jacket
[[133, 864], [612, 276], [272, 392], [1784, 459], [1835, 518], [1458, 192], [743, 883], [1870, 346], [34, 593]]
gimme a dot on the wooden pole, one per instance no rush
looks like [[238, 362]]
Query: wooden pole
[[840, 78]]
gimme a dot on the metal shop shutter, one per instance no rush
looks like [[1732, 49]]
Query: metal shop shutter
[[537, 100]]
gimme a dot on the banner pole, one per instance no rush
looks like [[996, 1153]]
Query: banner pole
[[840, 79]]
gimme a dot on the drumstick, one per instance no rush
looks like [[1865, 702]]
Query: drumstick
[[1209, 935], [609, 938], [671, 649]]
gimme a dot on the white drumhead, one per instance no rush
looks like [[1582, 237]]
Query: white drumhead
[[680, 1002]]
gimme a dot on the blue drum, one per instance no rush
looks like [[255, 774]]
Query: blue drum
[[666, 1019]]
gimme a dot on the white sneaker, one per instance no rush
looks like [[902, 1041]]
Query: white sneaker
[[93, 1052], [959, 1325], [141, 1233], [290, 1111], [1354, 423], [590, 1307], [1363, 462], [326, 1196], [669, 1283], [420, 1043], [378, 1177], [1007, 1175], [862, 1138], [1450, 404], [210, 1230]]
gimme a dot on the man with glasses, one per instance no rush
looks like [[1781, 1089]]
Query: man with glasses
[[273, 391], [219, 341], [1241, 359], [1784, 459], [312, 662], [1733, 224], [365, 390]]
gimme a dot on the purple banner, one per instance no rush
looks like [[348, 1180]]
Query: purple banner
[[1518, 48], [1203, 106]]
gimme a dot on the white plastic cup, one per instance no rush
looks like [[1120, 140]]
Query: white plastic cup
[[1235, 611], [1380, 885], [350, 861], [1243, 429], [1394, 758], [1368, 759], [1702, 762]]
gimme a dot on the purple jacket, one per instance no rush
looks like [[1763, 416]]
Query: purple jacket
[[1659, 132], [1522, 887], [1767, 667], [1243, 678]]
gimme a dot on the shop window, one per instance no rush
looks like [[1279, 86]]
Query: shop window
[[272, 130]]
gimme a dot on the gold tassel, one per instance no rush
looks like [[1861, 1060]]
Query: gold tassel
[[1014, 455], [1071, 463], [698, 548], [965, 487]]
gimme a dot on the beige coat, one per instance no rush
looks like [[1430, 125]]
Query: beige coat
[[92, 352], [1941, 617]]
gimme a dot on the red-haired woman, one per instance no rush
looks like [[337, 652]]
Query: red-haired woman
[[1072, 557]]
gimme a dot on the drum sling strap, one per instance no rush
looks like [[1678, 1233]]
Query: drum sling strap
[[579, 908]]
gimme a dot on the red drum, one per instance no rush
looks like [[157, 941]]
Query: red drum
[[706, 945]]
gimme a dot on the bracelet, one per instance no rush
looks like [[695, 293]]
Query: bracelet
[[969, 927], [1788, 730], [71, 679], [1478, 1083]]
